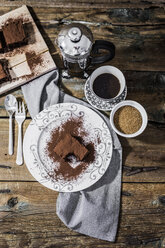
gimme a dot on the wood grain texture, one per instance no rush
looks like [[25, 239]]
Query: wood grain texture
[[28, 218], [27, 209], [20, 68], [83, 4], [143, 87], [137, 152], [117, 16], [138, 34], [139, 43]]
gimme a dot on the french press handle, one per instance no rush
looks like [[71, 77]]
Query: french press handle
[[102, 44]]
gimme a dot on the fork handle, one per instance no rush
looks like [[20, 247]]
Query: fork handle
[[19, 159], [10, 147]]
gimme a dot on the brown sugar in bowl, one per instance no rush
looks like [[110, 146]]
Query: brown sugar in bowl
[[128, 119]]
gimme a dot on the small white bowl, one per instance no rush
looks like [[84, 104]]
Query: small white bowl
[[136, 105]]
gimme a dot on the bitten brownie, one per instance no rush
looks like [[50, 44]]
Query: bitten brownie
[[14, 33], [69, 145]]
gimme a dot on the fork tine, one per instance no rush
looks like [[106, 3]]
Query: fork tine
[[23, 107]]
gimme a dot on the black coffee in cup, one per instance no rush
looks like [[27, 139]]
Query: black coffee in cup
[[106, 86]]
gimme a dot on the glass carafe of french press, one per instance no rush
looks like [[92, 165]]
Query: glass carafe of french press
[[79, 50]]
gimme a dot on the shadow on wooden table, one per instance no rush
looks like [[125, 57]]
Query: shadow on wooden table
[[145, 152], [153, 134], [51, 46], [126, 148]]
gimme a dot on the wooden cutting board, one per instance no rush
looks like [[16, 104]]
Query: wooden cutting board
[[28, 61]]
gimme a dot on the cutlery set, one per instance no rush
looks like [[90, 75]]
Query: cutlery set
[[15, 107]]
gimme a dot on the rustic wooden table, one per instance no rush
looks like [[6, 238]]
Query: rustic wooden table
[[27, 209]]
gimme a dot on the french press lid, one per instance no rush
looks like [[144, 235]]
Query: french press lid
[[75, 40]]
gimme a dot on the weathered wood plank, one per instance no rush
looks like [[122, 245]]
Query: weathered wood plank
[[138, 34], [28, 218], [144, 87], [97, 17], [147, 88], [138, 47], [8, 168], [84, 3], [27, 209], [140, 152]]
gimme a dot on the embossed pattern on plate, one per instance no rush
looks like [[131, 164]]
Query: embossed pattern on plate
[[39, 132]]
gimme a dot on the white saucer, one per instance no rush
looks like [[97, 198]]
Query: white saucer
[[98, 103]]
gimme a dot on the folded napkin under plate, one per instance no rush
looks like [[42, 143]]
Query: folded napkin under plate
[[95, 210]]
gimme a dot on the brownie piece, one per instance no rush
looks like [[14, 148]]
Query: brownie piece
[[2, 42], [14, 33], [3, 74], [70, 145], [4, 71]]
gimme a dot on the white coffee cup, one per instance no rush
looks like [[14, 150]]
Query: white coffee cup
[[111, 70]]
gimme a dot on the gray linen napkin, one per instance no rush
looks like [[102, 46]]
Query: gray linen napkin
[[95, 210]]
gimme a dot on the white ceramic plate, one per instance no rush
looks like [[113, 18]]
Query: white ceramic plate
[[38, 134]]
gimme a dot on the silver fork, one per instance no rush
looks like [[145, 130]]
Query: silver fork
[[20, 117]]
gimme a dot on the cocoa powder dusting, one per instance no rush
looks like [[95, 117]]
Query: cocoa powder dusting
[[33, 59], [69, 146], [65, 171]]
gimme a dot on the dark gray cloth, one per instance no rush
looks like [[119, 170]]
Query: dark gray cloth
[[95, 210]]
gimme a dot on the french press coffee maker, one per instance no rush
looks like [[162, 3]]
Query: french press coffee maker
[[80, 51]]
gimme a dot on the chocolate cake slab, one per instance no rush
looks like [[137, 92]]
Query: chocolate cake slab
[[14, 33], [4, 75], [70, 145]]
